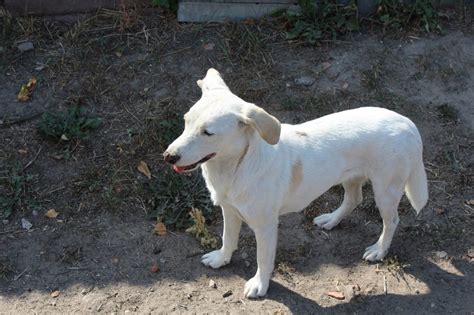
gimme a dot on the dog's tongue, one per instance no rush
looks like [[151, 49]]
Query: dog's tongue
[[178, 169]]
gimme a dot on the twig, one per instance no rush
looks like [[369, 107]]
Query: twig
[[77, 268], [20, 120], [16, 231], [384, 284], [20, 275], [176, 51], [31, 162]]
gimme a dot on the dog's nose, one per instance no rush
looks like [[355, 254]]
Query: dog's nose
[[172, 159]]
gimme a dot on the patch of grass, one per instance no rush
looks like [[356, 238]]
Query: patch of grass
[[74, 124], [321, 19], [13, 190], [447, 113], [396, 15], [242, 43], [371, 77], [173, 196]]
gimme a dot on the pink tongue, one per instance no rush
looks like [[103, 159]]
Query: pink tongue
[[179, 169]]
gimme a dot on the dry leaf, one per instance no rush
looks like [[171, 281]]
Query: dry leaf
[[143, 168], [155, 268], [26, 90], [160, 229], [440, 210], [51, 213], [325, 65], [55, 294], [200, 231], [335, 294]]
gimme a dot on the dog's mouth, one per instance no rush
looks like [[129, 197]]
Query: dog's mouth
[[192, 167]]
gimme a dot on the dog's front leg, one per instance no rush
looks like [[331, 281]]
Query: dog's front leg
[[230, 239], [266, 247]]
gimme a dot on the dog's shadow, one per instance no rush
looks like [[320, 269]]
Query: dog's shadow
[[445, 295]]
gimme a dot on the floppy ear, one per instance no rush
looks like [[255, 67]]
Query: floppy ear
[[212, 80], [265, 124]]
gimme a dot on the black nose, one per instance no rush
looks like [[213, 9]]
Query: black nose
[[172, 159]]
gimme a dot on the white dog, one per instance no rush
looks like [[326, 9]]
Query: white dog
[[257, 169]]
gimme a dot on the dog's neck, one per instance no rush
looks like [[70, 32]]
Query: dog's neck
[[223, 176]]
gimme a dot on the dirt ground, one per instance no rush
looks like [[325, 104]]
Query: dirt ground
[[98, 253]]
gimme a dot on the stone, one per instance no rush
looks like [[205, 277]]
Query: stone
[[25, 46], [305, 81]]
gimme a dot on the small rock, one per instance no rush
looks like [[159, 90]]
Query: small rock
[[227, 294], [336, 295], [247, 263], [55, 294], [212, 284], [305, 81], [244, 255], [162, 260], [25, 46], [26, 224], [441, 254], [189, 296]]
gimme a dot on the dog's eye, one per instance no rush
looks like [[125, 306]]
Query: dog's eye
[[207, 133]]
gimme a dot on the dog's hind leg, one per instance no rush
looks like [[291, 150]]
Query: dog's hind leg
[[352, 197], [387, 201]]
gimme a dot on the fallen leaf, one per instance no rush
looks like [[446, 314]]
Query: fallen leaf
[[440, 210], [23, 151], [55, 294], [64, 137], [155, 268], [26, 90], [143, 168], [325, 65], [160, 229], [51, 213], [335, 294]]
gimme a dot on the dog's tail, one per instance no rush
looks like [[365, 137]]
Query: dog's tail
[[416, 187]]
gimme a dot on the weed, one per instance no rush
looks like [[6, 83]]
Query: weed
[[172, 5], [174, 195], [396, 15], [371, 77], [322, 19], [447, 113], [13, 190], [71, 125]]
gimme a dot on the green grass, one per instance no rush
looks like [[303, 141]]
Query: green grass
[[14, 190], [322, 19], [74, 124], [172, 196], [420, 14]]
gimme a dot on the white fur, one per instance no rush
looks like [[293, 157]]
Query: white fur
[[252, 180]]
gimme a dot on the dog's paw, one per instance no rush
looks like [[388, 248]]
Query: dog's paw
[[375, 252], [256, 287], [215, 259], [326, 221]]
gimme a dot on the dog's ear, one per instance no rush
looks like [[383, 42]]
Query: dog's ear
[[265, 124], [212, 80]]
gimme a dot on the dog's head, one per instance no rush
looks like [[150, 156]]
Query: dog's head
[[218, 125]]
